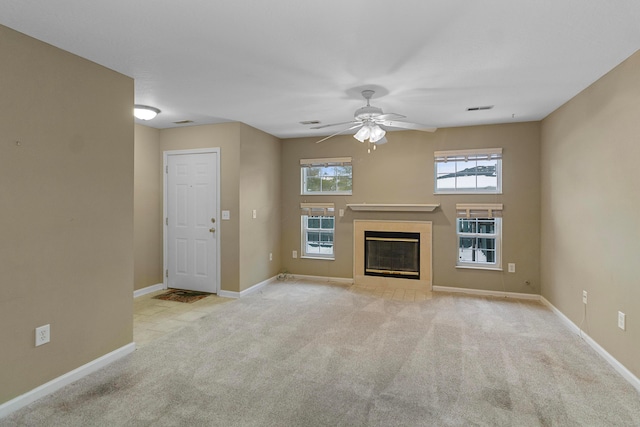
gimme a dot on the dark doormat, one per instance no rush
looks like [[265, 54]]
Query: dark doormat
[[180, 295]]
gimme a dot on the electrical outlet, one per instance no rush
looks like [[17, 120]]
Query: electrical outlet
[[270, 256], [254, 214], [584, 297], [622, 319], [43, 335], [512, 267], [341, 212], [294, 254]]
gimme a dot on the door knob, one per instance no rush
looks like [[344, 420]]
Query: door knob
[[213, 230]]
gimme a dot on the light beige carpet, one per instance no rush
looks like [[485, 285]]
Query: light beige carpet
[[299, 354]]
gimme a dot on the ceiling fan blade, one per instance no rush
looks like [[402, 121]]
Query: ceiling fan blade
[[390, 116], [333, 124], [407, 125], [338, 133]]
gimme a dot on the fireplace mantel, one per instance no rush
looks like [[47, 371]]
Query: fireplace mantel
[[389, 207]]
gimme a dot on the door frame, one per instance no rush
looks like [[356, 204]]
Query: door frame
[[165, 243]]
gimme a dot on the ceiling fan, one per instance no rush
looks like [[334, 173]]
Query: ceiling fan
[[372, 123]]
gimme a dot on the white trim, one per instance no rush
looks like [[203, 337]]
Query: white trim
[[619, 367], [320, 257], [515, 295], [254, 288], [344, 280], [479, 267], [304, 222], [149, 289], [63, 380], [165, 249], [496, 236]]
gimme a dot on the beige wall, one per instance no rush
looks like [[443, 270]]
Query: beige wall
[[250, 179], [147, 224], [226, 136], [66, 193], [590, 202], [259, 190], [401, 171]]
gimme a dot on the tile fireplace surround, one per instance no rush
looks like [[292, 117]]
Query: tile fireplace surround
[[422, 227]]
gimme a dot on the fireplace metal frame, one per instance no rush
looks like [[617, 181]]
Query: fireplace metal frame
[[426, 268], [391, 236]]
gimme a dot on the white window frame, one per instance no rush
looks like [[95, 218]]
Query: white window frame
[[306, 164], [480, 212], [471, 155], [304, 229]]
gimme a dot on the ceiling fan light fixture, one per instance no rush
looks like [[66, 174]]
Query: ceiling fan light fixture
[[363, 133], [376, 134], [145, 112]]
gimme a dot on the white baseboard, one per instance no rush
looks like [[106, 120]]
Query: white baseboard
[[344, 280], [502, 294], [139, 292], [254, 288], [619, 367], [63, 380]]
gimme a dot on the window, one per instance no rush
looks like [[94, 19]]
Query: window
[[326, 176], [317, 236], [468, 171], [478, 229], [318, 225]]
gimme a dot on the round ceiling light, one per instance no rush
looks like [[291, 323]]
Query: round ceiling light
[[144, 112]]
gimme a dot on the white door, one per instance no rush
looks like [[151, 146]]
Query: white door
[[191, 209]]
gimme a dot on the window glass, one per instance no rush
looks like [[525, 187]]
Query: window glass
[[326, 179], [468, 172], [317, 232], [479, 242]]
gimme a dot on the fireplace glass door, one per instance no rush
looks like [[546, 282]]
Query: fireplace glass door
[[392, 254]]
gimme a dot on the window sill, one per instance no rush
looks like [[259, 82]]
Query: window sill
[[479, 267], [328, 193], [318, 257], [440, 193]]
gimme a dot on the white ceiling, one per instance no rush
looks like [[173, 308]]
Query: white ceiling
[[272, 64]]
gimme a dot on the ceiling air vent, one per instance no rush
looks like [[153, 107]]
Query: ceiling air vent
[[483, 107], [183, 122], [310, 122]]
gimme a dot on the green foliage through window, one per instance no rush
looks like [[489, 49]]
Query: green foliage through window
[[326, 179]]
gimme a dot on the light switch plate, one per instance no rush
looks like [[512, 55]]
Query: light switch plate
[[512, 267], [226, 215], [622, 320]]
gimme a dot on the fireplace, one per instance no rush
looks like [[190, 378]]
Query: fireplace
[[394, 254]]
